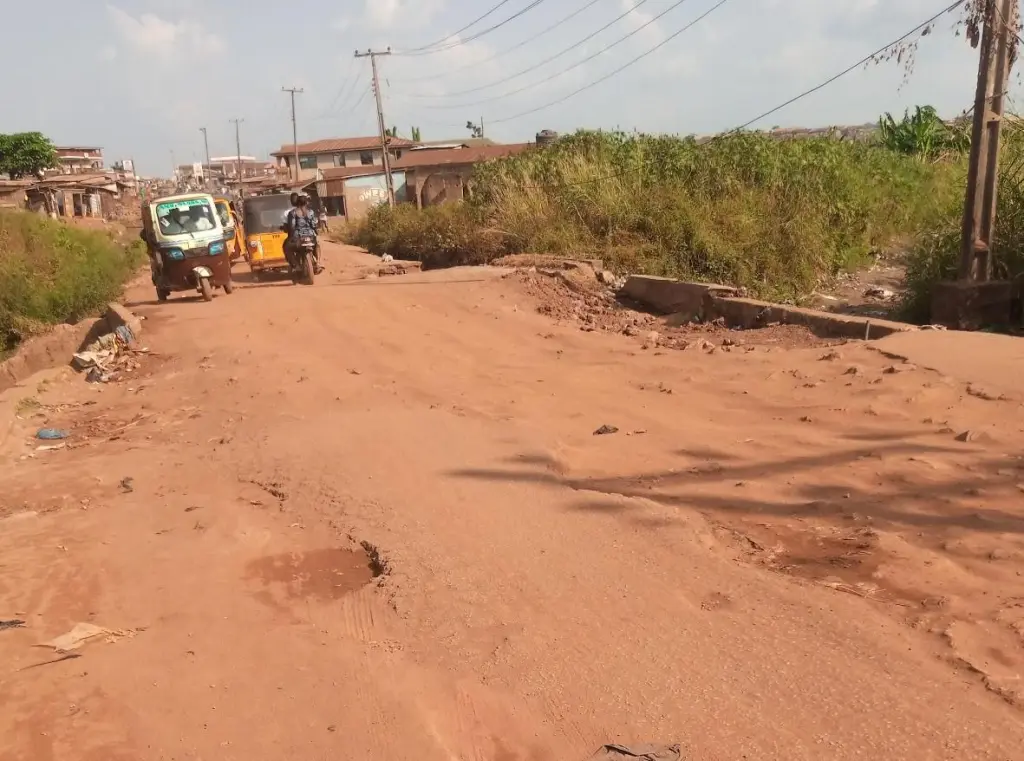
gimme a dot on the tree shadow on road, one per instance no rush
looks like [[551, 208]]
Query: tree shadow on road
[[907, 499]]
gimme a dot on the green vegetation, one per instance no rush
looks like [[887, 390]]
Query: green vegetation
[[51, 273], [924, 134], [936, 255], [26, 153], [776, 216]]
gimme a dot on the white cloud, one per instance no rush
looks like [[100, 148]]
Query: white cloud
[[637, 19], [108, 53], [401, 14], [153, 35]]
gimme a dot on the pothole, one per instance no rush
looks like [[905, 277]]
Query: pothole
[[320, 575]]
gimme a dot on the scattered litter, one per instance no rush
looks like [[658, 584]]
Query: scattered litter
[[194, 507], [51, 434], [12, 623], [877, 292], [80, 634], [107, 357], [605, 430], [640, 752], [127, 484], [387, 258], [638, 432]]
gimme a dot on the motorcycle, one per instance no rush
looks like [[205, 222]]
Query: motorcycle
[[307, 262]]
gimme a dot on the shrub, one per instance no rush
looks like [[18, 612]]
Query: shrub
[[51, 273], [776, 216], [936, 256]]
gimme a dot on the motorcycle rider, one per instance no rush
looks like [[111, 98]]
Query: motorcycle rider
[[301, 222]]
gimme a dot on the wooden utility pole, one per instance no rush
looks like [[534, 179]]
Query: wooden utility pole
[[206, 173], [372, 55], [295, 130], [238, 154], [998, 35]]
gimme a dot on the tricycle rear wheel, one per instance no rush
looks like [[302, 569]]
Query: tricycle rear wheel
[[229, 287], [162, 294]]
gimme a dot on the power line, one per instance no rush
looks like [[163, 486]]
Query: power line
[[546, 60], [626, 65], [362, 98], [455, 33], [500, 53], [866, 59], [576, 65], [477, 35], [347, 88]]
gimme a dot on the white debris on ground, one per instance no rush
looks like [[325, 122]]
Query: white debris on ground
[[109, 357]]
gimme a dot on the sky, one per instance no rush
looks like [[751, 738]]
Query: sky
[[141, 77]]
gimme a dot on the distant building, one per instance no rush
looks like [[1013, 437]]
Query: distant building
[[223, 170], [339, 153], [75, 159], [424, 176]]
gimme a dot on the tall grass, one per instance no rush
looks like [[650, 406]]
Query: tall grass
[[776, 216], [51, 273], [936, 255]]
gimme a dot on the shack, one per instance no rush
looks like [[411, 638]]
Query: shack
[[77, 195], [12, 193]]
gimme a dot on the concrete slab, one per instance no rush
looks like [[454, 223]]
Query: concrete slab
[[966, 305], [751, 313], [667, 296]]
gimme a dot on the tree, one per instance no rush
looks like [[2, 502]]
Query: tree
[[969, 25], [26, 153], [475, 130], [922, 134], [416, 135], [391, 132]]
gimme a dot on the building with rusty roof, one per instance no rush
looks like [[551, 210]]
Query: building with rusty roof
[[422, 176], [339, 153]]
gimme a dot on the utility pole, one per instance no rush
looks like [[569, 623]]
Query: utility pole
[[295, 129], [998, 35], [481, 127], [372, 55], [206, 145], [238, 154]]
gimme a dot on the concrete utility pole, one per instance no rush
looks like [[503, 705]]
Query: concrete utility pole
[[979, 217], [295, 129], [372, 55], [206, 145], [238, 154]]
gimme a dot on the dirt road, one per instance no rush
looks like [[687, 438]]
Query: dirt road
[[371, 519]]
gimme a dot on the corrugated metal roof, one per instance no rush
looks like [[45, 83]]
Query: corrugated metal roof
[[468, 142], [341, 144], [414, 159], [344, 172]]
